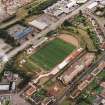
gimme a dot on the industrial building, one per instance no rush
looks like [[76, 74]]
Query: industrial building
[[39, 25], [7, 87], [62, 6], [19, 32], [4, 87]]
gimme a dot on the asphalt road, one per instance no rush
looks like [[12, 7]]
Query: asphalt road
[[44, 32]]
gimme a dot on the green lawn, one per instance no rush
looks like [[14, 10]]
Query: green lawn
[[65, 102], [52, 53], [30, 67]]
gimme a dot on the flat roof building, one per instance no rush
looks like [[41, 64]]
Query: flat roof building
[[71, 4], [39, 25], [4, 87], [19, 32], [61, 7], [81, 1], [92, 5]]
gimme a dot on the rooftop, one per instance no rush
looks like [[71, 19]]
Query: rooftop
[[38, 24]]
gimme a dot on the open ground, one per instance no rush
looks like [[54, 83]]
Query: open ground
[[69, 39]]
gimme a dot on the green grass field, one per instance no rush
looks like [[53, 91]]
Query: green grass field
[[52, 53]]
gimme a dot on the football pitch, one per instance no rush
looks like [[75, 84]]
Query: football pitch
[[52, 53]]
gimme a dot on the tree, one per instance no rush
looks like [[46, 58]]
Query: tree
[[7, 38], [80, 13], [3, 34], [67, 23], [88, 31]]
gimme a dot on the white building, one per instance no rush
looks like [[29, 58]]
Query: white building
[[81, 1], [92, 5], [71, 4], [4, 87], [39, 25]]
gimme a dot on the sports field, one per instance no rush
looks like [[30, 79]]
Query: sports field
[[52, 53]]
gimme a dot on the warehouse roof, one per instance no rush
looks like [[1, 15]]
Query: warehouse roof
[[4, 87], [38, 24], [26, 31], [71, 4]]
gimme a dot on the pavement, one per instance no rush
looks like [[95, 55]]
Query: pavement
[[17, 100]]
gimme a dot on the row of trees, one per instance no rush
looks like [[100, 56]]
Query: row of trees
[[93, 36], [37, 9]]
